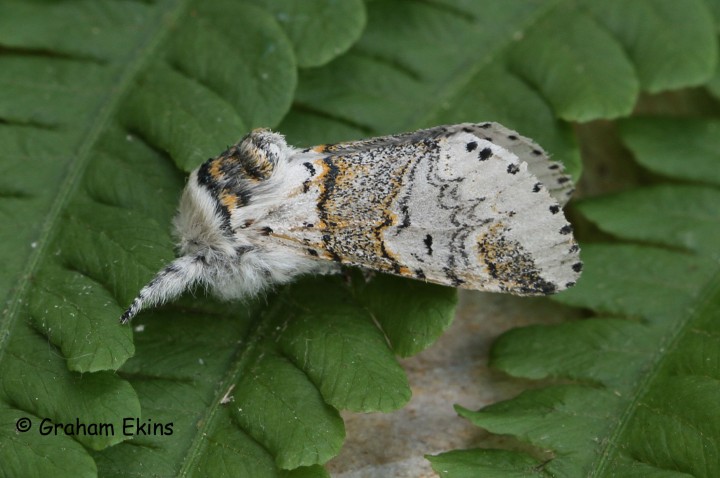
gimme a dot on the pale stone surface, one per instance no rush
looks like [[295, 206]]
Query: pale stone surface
[[453, 371]]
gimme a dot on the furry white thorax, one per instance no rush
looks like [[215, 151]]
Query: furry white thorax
[[230, 265], [243, 264]]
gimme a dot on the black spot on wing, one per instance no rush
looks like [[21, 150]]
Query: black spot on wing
[[309, 166], [485, 154], [471, 146], [428, 244], [311, 170]]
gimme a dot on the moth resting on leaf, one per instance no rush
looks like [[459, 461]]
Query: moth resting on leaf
[[475, 206]]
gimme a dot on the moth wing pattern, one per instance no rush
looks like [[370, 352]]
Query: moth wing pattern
[[548, 172], [453, 205]]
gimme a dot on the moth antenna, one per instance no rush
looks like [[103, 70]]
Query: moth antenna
[[167, 284]]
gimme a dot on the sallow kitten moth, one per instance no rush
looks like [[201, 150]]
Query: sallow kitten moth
[[476, 206]]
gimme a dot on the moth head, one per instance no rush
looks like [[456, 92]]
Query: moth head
[[203, 226]]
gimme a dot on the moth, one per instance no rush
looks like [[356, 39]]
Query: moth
[[475, 206]]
